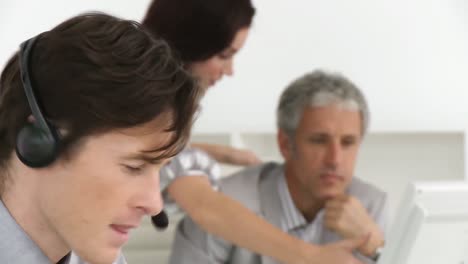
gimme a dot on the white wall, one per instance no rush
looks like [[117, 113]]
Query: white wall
[[23, 19], [409, 57]]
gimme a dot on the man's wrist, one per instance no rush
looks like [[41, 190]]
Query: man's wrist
[[373, 245]]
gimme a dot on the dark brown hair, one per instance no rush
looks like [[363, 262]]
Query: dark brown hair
[[94, 73], [198, 29]]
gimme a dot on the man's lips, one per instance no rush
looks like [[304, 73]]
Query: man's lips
[[121, 233], [123, 229], [331, 177]]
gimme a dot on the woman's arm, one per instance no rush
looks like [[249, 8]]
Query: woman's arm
[[222, 216], [229, 155]]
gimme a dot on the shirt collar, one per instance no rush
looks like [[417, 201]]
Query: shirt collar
[[292, 218], [15, 245]]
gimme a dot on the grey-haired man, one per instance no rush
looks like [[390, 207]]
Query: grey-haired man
[[322, 118]]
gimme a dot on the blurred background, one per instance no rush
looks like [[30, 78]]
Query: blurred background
[[410, 58]]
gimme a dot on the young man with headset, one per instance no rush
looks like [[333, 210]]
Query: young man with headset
[[89, 112]]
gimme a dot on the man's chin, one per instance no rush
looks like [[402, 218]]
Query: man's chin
[[104, 256], [331, 194]]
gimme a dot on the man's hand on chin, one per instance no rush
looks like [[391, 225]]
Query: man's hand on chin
[[346, 216]]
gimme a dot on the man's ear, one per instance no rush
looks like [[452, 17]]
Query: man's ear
[[285, 144]]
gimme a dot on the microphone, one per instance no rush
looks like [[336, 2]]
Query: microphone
[[160, 221]]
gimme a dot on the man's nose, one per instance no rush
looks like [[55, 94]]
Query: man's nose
[[334, 154], [151, 201]]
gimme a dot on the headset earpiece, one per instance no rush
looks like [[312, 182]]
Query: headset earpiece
[[34, 147]]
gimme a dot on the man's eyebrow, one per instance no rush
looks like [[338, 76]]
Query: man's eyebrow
[[144, 157], [135, 156], [318, 133]]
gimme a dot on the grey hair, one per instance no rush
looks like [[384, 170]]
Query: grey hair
[[317, 89]]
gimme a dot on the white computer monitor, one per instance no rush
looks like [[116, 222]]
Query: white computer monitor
[[431, 226]]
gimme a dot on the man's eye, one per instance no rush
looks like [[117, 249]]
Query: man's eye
[[348, 142], [133, 169]]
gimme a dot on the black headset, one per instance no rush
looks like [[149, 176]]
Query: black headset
[[37, 143]]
